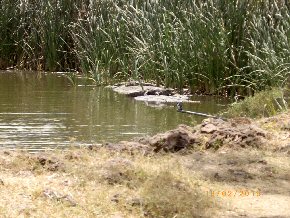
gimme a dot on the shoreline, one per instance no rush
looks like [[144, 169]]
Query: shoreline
[[155, 176]]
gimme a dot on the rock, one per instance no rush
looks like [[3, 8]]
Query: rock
[[174, 140], [94, 147], [53, 195], [262, 162], [209, 128], [213, 133], [116, 198], [68, 199], [66, 183], [7, 153], [73, 156], [234, 132], [50, 163], [1, 182], [48, 193], [134, 201]]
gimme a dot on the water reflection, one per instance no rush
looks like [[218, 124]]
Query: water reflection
[[40, 111]]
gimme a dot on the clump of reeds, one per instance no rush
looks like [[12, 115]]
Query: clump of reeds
[[35, 34], [262, 104], [213, 46], [219, 46]]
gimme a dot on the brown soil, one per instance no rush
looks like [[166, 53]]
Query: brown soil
[[240, 155], [214, 134], [259, 180], [235, 168]]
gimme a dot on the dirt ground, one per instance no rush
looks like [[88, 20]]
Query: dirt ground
[[188, 172], [248, 183]]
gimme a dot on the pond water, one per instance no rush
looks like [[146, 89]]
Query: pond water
[[45, 111]]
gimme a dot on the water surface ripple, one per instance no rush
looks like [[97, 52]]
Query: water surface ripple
[[43, 111]]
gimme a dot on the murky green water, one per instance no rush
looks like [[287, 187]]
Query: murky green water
[[41, 111]]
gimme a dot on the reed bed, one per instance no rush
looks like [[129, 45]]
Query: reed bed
[[221, 46]]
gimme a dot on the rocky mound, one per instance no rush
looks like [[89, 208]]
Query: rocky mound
[[212, 133], [174, 140], [236, 132]]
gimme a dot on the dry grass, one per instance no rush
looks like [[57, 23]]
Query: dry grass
[[166, 196], [83, 183], [104, 183]]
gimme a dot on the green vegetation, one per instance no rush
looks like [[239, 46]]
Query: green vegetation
[[262, 104], [222, 46]]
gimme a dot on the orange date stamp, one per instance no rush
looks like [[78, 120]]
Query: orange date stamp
[[234, 193]]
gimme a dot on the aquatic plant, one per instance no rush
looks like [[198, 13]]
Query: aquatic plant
[[262, 104], [221, 46], [34, 35]]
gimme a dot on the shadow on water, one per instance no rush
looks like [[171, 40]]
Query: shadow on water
[[43, 111]]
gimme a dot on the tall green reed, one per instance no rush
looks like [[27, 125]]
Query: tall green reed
[[37, 35], [215, 46], [212, 46]]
